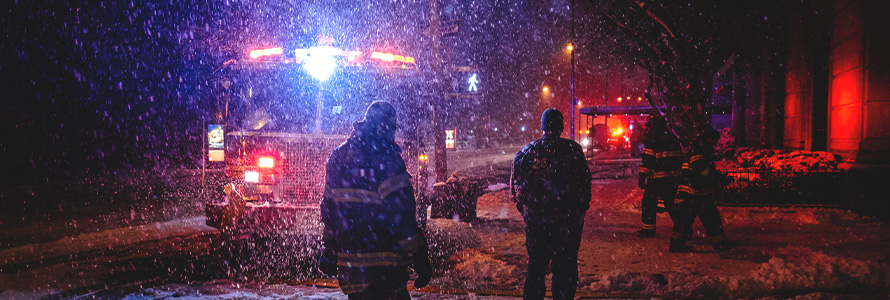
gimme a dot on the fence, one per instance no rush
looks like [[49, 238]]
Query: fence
[[759, 187]]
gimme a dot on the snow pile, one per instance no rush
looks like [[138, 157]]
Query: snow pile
[[784, 215], [232, 290], [726, 145], [497, 206], [496, 187], [447, 237], [474, 266], [622, 280], [792, 271], [802, 269], [502, 196], [797, 161]]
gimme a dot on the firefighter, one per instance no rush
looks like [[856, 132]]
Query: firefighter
[[636, 134], [661, 158], [370, 231], [695, 196], [550, 184]]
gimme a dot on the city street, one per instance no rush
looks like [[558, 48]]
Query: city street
[[215, 149], [818, 252]]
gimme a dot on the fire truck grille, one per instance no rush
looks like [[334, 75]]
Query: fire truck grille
[[303, 175]]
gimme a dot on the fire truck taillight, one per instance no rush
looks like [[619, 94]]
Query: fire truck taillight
[[251, 176], [266, 52], [267, 162]]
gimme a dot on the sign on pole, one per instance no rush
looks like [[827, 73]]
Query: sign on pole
[[450, 28], [449, 138], [215, 142]]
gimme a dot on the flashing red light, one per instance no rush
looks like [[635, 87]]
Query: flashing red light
[[267, 162], [617, 131], [266, 52], [389, 57]]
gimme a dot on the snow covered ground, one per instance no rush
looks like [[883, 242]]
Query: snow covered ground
[[785, 253]]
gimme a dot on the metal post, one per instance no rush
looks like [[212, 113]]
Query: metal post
[[319, 106], [606, 117], [438, 95], [204, 155]]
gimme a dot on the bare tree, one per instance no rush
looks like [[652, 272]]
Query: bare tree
[[681, 44]]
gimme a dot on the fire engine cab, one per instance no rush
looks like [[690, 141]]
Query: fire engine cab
[[279, 113]]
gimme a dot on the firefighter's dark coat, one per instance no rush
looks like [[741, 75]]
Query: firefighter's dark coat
[[551, 186], [695, 195], [700, 175], [369, 213], [551, 173], [662, 158]]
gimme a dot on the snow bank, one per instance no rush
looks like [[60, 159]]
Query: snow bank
[[231, 290], [797, 161], [793, 270], [106, 239], [472, 265], [502, 196], [496, 187]]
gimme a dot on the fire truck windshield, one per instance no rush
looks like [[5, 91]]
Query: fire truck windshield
[[285, 98]]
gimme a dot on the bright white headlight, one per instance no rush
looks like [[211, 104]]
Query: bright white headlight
[[251, 176], [321, 62]]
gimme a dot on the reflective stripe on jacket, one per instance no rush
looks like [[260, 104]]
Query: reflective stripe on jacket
[[368, 210], [662, 157]]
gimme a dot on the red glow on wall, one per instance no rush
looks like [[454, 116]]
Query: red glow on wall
[[846, 101], [846, 89]]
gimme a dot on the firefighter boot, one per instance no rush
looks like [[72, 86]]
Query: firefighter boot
[[724, 245], [678, 245], [646, 233]]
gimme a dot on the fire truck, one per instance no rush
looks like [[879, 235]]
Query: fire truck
[[279, 113]]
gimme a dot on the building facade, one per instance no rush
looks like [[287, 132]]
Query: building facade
[[837, 79]]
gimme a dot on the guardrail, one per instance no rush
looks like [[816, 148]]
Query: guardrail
[[769, 187]]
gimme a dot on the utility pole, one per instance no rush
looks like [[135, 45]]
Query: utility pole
[[438, 94], [572, 53], [608, 72]]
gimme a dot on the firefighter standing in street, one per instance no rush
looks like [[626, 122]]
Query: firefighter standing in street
[[661, 158], [636, 135], [371, 235], [695, 196], [550, 184]]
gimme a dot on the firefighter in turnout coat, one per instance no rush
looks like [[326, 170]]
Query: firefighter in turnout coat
[[550, 184], [371, 235], [695, 196], [659, 172]]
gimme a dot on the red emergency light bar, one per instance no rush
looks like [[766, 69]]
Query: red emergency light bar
[[389, 57], [346, 57], [266, 52]]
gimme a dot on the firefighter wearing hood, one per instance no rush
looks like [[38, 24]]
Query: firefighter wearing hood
[[695, 196], [371, 235], [550, 184]]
